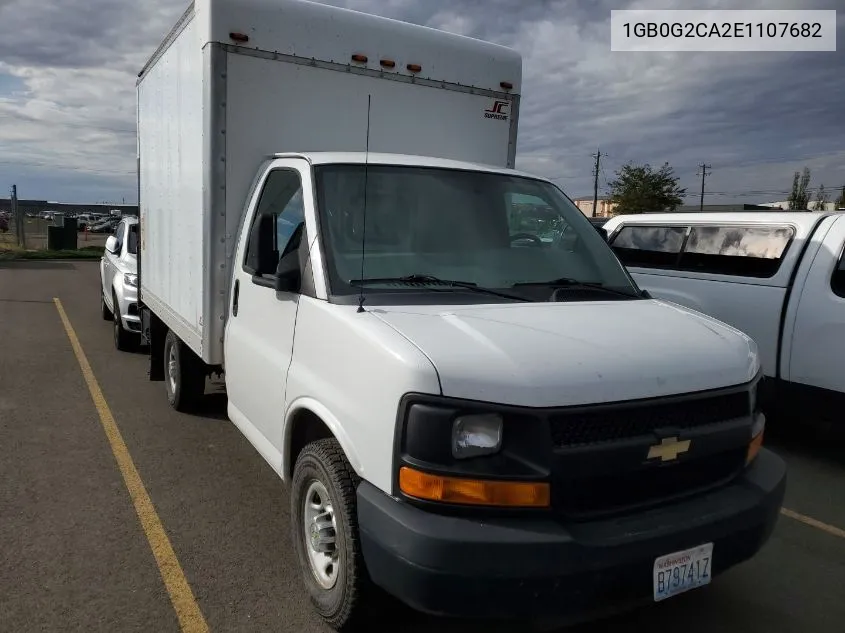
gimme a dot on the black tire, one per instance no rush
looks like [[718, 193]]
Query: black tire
[[124, 340], [323, 461], [186, 385], [104, 308]]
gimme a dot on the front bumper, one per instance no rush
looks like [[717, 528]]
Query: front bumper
[[127, 306], [545, 568]]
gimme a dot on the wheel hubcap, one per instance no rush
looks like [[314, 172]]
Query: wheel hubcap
[[320, 534], [171, 367]]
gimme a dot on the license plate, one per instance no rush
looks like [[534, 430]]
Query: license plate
[[682, 571]]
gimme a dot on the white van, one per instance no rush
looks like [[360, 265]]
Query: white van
[[407, 327]]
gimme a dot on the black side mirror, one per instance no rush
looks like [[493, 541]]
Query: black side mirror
[[603, 232], [288, 275]]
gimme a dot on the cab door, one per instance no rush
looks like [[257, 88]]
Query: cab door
[[259, 333], [817, 357]]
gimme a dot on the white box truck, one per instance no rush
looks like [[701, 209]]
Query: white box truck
[[474, 406]]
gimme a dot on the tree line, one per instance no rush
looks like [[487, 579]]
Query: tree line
[[644, 189]]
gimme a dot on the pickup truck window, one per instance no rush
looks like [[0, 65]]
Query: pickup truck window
[[491, 230], [280, 211], [837, 282], [748, 251], [754, 251], [649, 246]]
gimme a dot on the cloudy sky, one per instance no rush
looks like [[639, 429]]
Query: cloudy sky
[[67, 86]]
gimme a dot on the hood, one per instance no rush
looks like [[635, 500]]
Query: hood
[[563, 354]]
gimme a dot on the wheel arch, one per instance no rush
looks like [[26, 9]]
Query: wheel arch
[[307, 421]]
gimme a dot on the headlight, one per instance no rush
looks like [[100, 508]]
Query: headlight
[[130, 279], [476, 435]]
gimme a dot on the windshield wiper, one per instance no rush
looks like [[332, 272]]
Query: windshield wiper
[[431, 279], [568, 282]]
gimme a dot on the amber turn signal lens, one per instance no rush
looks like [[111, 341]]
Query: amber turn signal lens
[[361, 59], [754, 447], [513, 494]]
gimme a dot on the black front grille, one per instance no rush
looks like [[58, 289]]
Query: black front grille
[[651, 484], [614, 423]]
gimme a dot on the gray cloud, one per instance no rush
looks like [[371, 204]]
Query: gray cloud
[[68, 132]]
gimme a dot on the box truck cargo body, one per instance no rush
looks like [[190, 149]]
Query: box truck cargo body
[[211, 108], [474, 406]]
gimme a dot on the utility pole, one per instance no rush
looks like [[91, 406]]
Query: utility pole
[[597, 156], [19, 220], [703, 173]]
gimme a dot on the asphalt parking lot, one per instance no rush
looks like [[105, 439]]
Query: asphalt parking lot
[[84, 548]]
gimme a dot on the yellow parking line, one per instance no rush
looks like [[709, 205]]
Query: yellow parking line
[[187, 610], [819, 525]]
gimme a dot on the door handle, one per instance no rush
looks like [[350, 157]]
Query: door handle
[[235, 292]]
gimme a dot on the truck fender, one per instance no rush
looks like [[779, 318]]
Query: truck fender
[[331, 422]]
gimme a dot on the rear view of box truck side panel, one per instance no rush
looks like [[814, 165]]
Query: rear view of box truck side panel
[[170, 120]]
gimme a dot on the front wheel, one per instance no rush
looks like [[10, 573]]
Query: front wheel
[[184, 375], [325, 532]]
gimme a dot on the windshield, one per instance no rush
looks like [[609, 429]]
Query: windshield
[[491, 230]]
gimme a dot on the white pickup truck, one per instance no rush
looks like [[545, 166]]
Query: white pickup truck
[[406, 326], [777, 276]]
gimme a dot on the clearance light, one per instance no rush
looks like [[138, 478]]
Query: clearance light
[[361, 59], [388, 63], [239, 37], [506, 85], [414, 68], [473, 492], [756, 443]]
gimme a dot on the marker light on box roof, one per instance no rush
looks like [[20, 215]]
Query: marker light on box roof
[[361, 59], [414, 68], [239, 37], [387, 63], [506, 85]]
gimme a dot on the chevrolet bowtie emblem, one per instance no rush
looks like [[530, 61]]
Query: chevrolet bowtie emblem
[[668, 449]]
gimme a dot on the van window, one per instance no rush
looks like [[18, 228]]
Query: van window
[[837, 282], [279, 214], [735, 250], [649, 246]]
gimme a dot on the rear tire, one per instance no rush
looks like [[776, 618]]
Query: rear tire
[[104, 308], [184, 375], [124, 340], [324, 505]]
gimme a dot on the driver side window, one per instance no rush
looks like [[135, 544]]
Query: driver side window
[[532, 221], [274, 232]]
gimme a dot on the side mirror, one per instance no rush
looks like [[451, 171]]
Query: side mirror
[[288, 275], [112, 245], [603, 232]]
